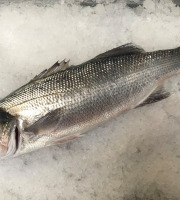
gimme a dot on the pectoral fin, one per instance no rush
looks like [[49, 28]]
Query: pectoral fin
[[66, 139], [46, 124]]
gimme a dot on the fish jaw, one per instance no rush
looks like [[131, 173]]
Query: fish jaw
[[8, 135], [9, 149], [3, 150]]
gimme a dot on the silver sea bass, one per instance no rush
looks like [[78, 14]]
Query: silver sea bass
[[65, 101]]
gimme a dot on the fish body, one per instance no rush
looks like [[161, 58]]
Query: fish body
[[62, 103]]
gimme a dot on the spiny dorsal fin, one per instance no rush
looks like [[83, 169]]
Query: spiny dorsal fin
[[159, 94], [127, 49], [58, 66]]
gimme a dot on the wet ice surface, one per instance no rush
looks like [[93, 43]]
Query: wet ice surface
[[135, 156]]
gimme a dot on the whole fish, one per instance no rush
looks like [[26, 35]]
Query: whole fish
[[63, 102]]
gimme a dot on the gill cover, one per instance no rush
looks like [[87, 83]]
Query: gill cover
[[7, 134]]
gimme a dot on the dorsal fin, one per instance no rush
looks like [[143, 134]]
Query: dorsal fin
[[127, 49], [58, 66]]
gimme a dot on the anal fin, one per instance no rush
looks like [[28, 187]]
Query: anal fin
[[158, 94]]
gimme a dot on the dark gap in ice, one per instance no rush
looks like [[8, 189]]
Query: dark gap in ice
[[177, 2], [134, 4], [88, 3]]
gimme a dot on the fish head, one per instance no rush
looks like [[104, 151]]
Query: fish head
[[8, 136]]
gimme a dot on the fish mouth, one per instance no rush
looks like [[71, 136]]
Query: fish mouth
[[14, 143]]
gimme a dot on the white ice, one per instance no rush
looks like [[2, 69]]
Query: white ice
[[135, 156]]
